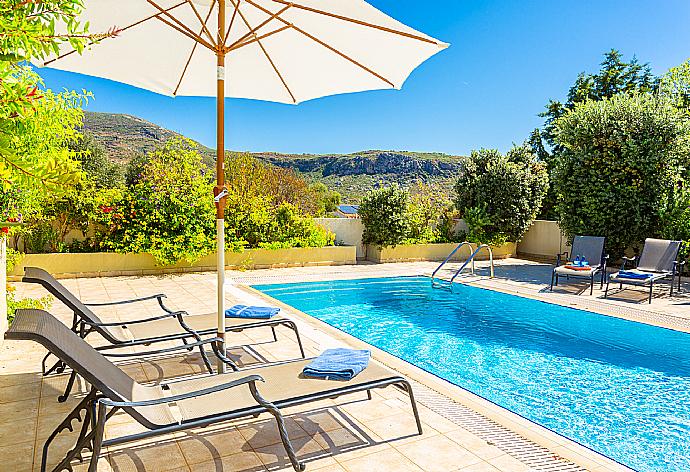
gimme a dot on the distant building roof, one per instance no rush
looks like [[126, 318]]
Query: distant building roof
[[348, 209]]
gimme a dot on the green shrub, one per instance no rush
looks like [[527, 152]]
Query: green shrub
[[289, 228], [621, 158], [168, 211], [13, 304], [503, 192], [431, 216], [384, 214]]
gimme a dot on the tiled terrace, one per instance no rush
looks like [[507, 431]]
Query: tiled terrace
[[462, 432]]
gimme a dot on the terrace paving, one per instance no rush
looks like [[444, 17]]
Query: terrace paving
[[462, 431]]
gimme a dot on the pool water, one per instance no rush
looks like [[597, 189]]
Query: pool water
[[619, 387]]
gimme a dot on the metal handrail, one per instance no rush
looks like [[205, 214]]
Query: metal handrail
[[471, 259], [457, 248]]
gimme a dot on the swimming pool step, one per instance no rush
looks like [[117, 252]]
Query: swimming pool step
[[534, 456]]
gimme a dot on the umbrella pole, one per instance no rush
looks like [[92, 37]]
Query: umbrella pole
[[220, 180]]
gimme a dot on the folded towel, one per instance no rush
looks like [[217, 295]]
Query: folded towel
[[337, 364], [575, 267], [628, 274], [254, 312]]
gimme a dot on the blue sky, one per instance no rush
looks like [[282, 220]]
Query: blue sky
[[507, 58]]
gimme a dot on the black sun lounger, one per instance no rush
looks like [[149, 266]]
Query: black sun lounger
[[170, 326], [200, 401], [658, 261]]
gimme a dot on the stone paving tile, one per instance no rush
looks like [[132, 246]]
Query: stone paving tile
[[347, 434]]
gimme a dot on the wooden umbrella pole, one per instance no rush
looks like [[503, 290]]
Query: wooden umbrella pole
[[220, 178]]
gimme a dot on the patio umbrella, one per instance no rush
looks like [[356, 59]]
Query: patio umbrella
[[274, 50]]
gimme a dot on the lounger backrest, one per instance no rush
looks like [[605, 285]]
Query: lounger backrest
[[43, 328], [658, 255], [37, 275], [592, 247]]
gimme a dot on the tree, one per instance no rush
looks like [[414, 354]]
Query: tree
[[384, 214], [168, 211], [96, 165], [504, 192], [675, 84], [36, 124], [615, 76], [248, 177], [622, 158], [327, 200], [431, 215]]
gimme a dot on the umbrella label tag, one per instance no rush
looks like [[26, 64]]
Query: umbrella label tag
[[220, 73]]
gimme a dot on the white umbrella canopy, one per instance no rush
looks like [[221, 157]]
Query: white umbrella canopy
[[272, 50], [276, 50]]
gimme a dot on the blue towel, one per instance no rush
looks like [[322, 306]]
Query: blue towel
[[253, 312], [626, 274], [338, 364]]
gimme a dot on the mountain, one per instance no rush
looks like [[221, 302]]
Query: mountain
[[124, 136]]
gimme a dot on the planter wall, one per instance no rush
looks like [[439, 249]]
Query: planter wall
[[106, 264], [434, 252], [543, 241]]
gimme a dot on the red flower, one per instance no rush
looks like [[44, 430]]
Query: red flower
[[5, 230], [106, 209]]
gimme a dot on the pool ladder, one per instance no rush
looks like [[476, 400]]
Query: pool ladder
[[438, 282]]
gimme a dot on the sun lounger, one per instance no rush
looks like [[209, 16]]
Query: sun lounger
[[170, 326], [200, 401], [592, 249], [658, 261]]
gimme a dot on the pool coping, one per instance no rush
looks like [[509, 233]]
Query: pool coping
[[562, 446]]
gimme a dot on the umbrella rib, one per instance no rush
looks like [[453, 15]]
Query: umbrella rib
[[268, 56], [191, 54], [203, 22], [120, 30], [324, 44], [359, 22], [232, 21], [257, 38], [253, 31], [181, 27]]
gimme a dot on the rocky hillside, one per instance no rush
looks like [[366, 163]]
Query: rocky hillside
[[124, 136]]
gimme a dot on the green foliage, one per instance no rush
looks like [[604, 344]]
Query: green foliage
[[36, 124], [12, 258], [169, 211], [384, 214], [13, 304], [479, 225], [615, 76], [35, 139], [675, 84], [675, 218], [501, 193], [431, 216], [327, 201], [621, 158], [248, 177], [95, 163], [288, 228]]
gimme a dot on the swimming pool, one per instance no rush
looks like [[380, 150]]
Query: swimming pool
[[619, 387]]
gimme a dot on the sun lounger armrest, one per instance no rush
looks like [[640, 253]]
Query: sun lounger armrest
[[143, 320], [181, 347], [558, 257], [157, 296], [678, 267], [626, 260], [250, 379]]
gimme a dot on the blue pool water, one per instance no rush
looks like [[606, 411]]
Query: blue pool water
[[619, 387]]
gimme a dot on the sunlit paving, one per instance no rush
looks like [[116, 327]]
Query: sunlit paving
[[344, 236]]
